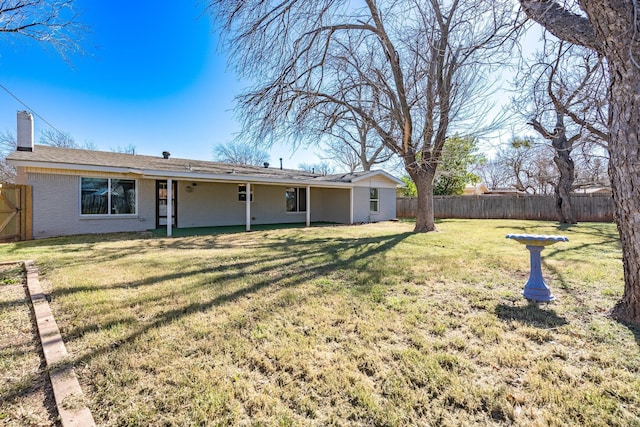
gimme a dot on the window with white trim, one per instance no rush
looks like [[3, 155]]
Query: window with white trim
[[296, 199], [374, 200], [107, 196], [242, 193]]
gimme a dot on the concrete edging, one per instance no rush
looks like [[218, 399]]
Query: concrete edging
[[66, 389]]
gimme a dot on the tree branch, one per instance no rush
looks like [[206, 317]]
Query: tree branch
[[562, 23], [537, 126]]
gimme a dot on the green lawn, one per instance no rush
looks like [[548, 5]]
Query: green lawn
[[344, 325]]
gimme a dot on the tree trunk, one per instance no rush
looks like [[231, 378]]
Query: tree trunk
[[563, 200], [566, 167], [624, 170], [424, 216]]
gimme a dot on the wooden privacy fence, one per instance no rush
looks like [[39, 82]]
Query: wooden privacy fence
[[15, 212], [587, 207]]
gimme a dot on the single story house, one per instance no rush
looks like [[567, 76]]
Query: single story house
[[83, 191]]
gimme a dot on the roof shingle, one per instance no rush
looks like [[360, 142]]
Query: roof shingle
[[68, 157]]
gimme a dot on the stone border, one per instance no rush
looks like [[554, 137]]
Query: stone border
[[72, 409]]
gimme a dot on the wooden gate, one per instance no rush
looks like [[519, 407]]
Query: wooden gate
[[15, 212]]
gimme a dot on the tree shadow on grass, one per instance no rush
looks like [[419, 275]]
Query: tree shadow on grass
[[533, 313], [283, 264], [634, 329], [360, 251]]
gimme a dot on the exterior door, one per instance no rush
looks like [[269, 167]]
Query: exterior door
[[15, 212], [161, 204]]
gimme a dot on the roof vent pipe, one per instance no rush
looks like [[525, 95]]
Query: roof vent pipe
[[280, 163], [166, 154], [25, 131]]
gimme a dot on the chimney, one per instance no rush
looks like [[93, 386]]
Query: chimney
[[166, 154], [25, 131]]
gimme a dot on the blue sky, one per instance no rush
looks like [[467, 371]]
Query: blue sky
[[152, 77]]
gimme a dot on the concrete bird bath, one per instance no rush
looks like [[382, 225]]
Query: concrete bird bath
[[535, 288]]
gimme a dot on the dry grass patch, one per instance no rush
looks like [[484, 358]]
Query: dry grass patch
[[26, 397], [362, 325]]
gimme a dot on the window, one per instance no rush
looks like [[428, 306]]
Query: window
[[106, 196], [374, 200], [242, 193], [296, 199]]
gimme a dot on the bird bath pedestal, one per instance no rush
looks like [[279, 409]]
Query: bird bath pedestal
[[535, 288]]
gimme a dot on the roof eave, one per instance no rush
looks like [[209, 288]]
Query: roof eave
[[75, 166], [239, 178]]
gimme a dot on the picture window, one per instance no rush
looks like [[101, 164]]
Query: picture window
[[107, 196]]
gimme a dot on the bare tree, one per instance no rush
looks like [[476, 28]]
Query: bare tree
[[240, 154], [349, 137], [562, 97], [525, 166], [322, 168], [8, 145], [337, 151], [494, 174], [353, 143], [417, 68], [127, 149], [613, 30], [591, 167], [55, 138], [53, 22]]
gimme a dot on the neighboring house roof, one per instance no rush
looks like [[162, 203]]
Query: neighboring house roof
[[360, 176], [44, 156], [475, 189], [508, 190], [593, 190]]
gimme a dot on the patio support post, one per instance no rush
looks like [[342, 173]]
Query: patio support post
[[248, 207], [169, 206], [308, 205], [351, 205]]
